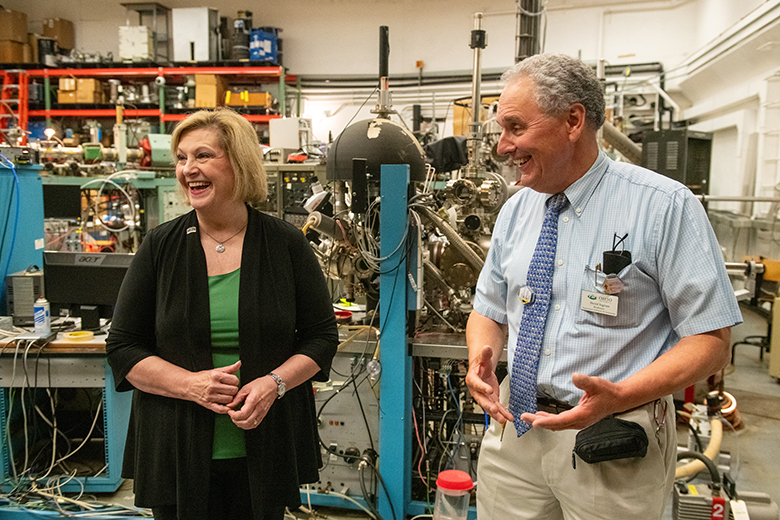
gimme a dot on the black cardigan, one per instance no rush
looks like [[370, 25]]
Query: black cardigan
[[163, 310]]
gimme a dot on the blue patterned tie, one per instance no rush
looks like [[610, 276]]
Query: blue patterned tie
[[522, 397]]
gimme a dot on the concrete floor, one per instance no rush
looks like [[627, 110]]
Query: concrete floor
[[753, 448]]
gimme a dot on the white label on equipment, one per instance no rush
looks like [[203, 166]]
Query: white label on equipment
[[739, 509]]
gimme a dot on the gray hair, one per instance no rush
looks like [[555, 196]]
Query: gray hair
[[560, 82]]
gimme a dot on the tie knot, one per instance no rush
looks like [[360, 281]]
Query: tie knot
[[557, 202]]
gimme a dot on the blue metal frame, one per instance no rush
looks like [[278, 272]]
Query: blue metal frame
[[116, 415], [29, 235], [395, 416]]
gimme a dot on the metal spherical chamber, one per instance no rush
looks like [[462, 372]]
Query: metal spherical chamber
[[379, 141]]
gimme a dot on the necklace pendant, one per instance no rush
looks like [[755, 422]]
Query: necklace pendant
[[220, 248]]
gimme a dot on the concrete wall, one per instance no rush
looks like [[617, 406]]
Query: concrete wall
[[707, 47], [341, 36]]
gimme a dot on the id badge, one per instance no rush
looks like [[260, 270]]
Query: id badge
[[599, 303]]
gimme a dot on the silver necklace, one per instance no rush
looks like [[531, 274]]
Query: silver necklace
[[221, 243]]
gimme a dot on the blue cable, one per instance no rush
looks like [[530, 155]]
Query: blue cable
[[16, 216], [452, 392]]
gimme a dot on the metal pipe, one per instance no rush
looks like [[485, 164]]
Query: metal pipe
[[478, 42], [339, 196], [622, 143], [527, 28], [323, 224], [452, 236], [434, 273], [384, 51]]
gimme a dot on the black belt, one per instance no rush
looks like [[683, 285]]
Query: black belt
[[550, 405], [554, 406]]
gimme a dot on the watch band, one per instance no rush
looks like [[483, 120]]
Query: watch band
[[281, 387]]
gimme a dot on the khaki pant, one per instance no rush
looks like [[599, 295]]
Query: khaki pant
[[532, 478]]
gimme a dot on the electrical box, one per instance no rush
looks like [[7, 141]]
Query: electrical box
[[682, 155], [290, 132], [195, 33], [21, 291], [160, 145], [135, 43]]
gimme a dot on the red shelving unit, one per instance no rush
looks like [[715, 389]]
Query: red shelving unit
[[172, 75]]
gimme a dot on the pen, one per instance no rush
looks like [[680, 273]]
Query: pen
[[503, 427]]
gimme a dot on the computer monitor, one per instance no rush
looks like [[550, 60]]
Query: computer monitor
[[62, 201], [86, 284]]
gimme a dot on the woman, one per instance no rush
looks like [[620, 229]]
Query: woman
[[223, 320]]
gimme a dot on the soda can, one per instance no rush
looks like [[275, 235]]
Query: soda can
[[42, 312]]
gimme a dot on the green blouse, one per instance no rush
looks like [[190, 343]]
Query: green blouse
[[223, 303]]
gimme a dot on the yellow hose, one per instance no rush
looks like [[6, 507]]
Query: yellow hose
[[695, 466]]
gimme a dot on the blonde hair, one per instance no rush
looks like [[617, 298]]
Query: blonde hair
[[238, 139]]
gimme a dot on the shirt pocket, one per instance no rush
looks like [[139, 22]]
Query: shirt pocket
[[629, 299]]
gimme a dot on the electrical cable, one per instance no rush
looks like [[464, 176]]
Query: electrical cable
[[349, 498], [422, 448], [365, 493], [336, 143], [457, 427], [382, 482], [108, 180], [15, 190], [363, 413]]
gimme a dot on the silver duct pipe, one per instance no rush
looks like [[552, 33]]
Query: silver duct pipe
[[455, 240], [434, 273], [622, 144]]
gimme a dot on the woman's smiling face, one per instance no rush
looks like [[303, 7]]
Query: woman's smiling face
[[204, 170]]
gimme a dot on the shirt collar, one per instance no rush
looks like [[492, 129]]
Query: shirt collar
[[582, 189]]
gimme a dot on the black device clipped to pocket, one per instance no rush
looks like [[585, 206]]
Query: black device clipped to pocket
[[610, 439], [612, 262]]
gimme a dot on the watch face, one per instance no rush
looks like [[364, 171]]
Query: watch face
[[281, 387]]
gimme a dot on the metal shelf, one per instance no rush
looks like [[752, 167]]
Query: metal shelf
[[255, 118], [268, 72], [241, 73], [95, 112]]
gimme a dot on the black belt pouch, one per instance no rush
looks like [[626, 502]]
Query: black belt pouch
[[610, 439]]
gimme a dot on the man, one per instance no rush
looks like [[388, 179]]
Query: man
[[638, 306]]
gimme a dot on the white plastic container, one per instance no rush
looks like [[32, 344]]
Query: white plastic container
[[452, 495], [42, 317]]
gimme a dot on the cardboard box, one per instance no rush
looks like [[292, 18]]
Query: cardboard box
[[209, 96], [13, 26], [210, 79], [135, 43], [32, 39], [89, 96], [210, 90], [89, 85], [67, 83], [774, 361], [66, 96], [61, 30], [11, 52]]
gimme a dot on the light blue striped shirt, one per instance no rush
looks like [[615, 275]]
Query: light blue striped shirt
[[676, 285]]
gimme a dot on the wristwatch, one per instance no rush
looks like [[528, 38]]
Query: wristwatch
[[281, 387]]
